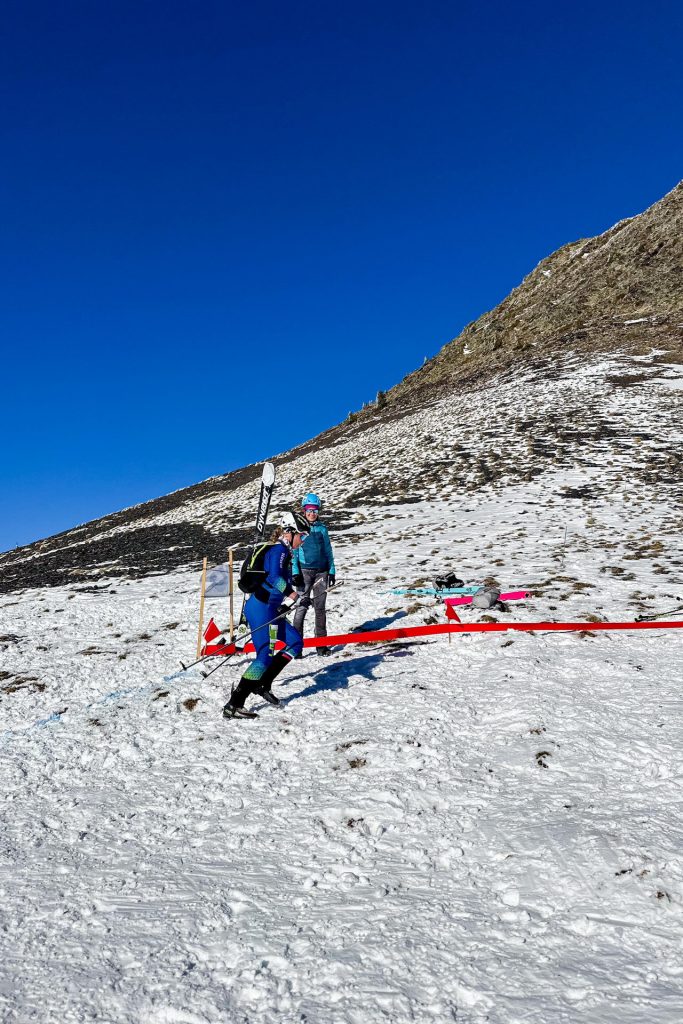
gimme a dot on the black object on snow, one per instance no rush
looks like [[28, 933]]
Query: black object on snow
[[448, 581]]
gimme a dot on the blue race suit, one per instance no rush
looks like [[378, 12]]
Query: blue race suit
[[261, 608]]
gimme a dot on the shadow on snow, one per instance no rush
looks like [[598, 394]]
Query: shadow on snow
[[336, 676], [372, 624]]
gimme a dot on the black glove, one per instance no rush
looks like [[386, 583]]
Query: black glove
[[298, 581], [286, 606], [330, 580]]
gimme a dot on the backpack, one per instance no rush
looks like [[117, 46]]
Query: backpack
[[253, 573], [487, 597]]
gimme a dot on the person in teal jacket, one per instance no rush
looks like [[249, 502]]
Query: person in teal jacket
[[313, 570]]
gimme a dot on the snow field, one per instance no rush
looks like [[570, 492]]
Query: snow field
[[483, 830]]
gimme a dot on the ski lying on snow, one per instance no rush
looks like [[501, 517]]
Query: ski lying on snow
[[432, 591], [511, 595]]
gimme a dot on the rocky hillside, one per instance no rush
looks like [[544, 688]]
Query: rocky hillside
[[621, 290], [583, 357]]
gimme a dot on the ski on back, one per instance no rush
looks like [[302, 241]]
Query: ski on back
[[267, 488], [265, 494]]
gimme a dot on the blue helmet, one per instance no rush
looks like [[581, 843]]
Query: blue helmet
[[311, 499]]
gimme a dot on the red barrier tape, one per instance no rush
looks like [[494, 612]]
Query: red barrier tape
[[382, 635]]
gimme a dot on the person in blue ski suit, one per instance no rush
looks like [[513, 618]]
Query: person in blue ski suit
[[313, 569], [271, 600]]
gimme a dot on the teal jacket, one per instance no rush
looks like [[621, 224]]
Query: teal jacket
[[315, 552]]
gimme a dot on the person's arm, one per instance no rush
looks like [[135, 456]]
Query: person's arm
[[297, 571], [276, 584], [328, 551]]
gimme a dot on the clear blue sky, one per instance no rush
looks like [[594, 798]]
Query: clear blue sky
[[196, 195]]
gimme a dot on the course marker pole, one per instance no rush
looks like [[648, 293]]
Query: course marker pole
[[231, 590], [201, 609]]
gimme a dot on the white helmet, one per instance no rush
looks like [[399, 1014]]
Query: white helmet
[[288, 522]]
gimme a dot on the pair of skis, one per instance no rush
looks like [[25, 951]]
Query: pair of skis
[[265, 494], [267, 488]]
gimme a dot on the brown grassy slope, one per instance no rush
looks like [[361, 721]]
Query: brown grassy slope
[[577, 298]]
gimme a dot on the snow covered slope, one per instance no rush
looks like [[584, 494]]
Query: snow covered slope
[[612, 422], [489, 829]]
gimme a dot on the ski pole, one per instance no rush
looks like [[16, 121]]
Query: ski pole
[[204, 657], [282, 615], [658, 615], [222, 643], [328, 588]]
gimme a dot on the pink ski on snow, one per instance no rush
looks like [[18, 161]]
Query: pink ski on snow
[[512, 595]]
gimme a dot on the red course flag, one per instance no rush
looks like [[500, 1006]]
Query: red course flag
[[211, 631]]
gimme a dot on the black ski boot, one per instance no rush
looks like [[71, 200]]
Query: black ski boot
[[267, 679], [235, 706], [230, 711]]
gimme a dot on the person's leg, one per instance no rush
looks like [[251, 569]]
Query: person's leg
[[319, 595], [258, 615], [239, 695], [292, 638], [304, 602], [293, 645]]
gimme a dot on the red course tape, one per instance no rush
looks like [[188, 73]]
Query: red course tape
[[383, 635]]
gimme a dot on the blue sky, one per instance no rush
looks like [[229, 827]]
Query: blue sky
[[225, 225]]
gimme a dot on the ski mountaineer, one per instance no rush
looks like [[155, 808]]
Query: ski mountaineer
[[313, 569], [272, 599]]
